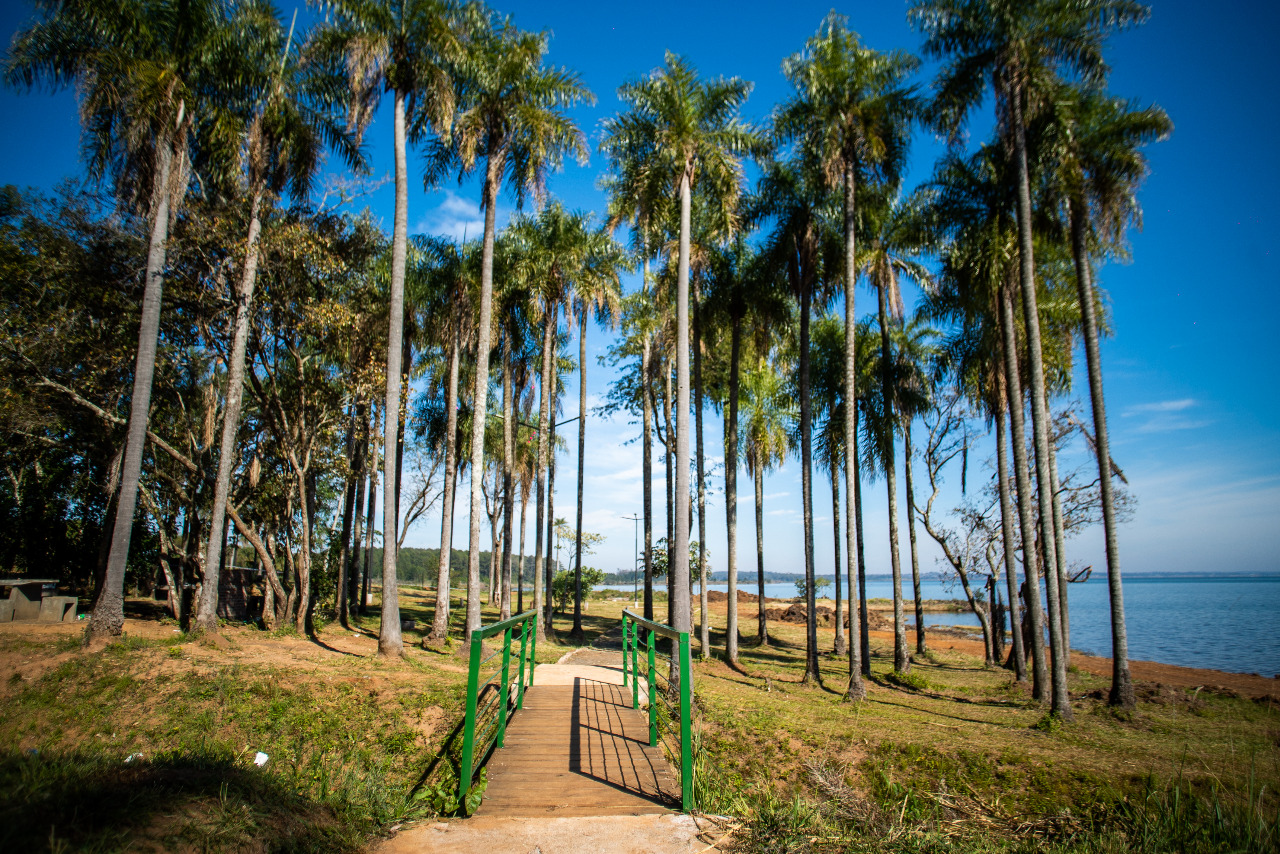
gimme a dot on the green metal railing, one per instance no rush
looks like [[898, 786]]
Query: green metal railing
[[638, 633], [496, 707]]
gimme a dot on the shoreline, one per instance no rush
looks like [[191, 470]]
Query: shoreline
[[1153, 672]]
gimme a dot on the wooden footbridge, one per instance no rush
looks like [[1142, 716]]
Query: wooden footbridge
[[603, 738]]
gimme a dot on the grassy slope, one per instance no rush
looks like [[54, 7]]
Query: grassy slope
[[957, 760]]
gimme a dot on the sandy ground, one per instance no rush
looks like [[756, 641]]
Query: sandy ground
[[625, 834]]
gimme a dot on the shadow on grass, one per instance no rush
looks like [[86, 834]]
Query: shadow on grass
[[81, 801]]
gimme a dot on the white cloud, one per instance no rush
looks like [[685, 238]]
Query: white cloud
[[1166, 416], [454, 217], [1160, 406]]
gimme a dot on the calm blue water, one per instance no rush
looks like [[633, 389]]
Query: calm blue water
[[1225, 623]]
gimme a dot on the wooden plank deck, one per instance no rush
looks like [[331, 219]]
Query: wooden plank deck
[[578, 748]]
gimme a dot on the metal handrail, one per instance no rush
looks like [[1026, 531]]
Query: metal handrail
[[632, 624], [528, 653]]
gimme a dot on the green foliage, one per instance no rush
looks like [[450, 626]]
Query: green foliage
[[563, 585], [911, 680], [820, 584]]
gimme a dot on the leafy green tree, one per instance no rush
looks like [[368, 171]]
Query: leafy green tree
[[285, 136], [154, 78]]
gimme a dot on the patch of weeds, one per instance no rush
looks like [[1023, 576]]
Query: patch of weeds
[[1050, 723], [911, 680]]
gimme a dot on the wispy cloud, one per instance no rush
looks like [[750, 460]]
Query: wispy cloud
[[1165, 416], [454, 217], [1160, 406]]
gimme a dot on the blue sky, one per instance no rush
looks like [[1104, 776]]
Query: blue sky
[[1188, 371]]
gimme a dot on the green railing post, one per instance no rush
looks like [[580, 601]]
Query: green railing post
[[469, 728], [635, 665], [533, 648], [653, 676], [505, 686], [686, 723], [524, 644], [624, 649]]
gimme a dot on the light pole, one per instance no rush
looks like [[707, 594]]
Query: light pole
[[635, 564]]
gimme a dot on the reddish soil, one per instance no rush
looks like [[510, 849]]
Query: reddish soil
[[1218, 681]]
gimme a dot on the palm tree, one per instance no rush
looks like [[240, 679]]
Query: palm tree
[[285, 137], [1021, 47], [766, 429], [852, 109], [692, 133], [972, 203], [887, 258], [453, 268], [800, 248], [740, 293], [637, 196], [512, 116], [408, 48], [1100, 167], [155, 79], [597, 290]]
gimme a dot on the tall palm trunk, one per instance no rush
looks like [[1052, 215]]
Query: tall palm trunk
[[348, 511], [901, 658], [508, 484], [353, 569], [859, 651], [1039, 410], [551, 566], [864, 636], [207, 611], [1121, 682], [440, 623], [679, 567], [731, 489], [704, 628], [524, 506], [1018, 444], [389, 638], [762, 621], [1009, 538], [541, 604], [839, 647], [646, 370], [811, 671], [480, 397], [1059, 544], [368, 529], [668, 458], [108, 612], [911, 536], [576, 633]]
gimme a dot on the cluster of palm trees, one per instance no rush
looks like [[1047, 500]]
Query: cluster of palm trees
[[738, 279]]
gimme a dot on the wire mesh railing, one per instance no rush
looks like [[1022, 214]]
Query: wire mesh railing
[[669, 701], [489, 701]]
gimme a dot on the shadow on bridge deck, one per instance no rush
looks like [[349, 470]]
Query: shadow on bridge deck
[[578, 748]]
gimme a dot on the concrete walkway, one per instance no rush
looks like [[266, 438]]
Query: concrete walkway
[[671, 833]]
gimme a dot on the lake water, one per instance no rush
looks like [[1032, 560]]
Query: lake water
[[1223, 622]]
